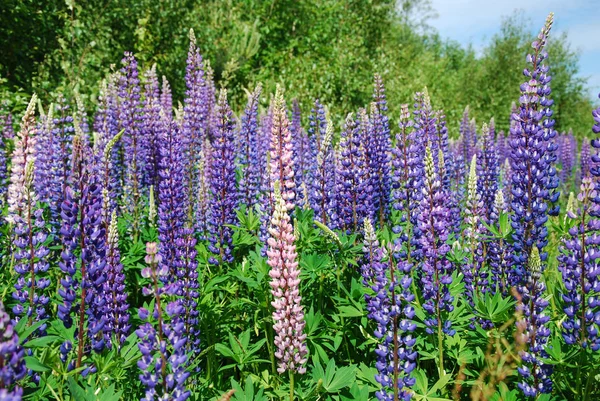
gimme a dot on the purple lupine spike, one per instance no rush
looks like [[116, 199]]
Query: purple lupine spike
[[535, 373], [498, 251], [166, 98], [172, 195], [350, 170], [368, 186], [288, 316], [302, 154], [12, 365], [83, 257], [187, 288], [150, 127], [223, 192], [3, 171], [444, 147], [487, 169], [249, 161], [533, 184], [196, 112], [433, 221], [323, 179], [163, 347], [203, 190], [585, 159], [501, 147], [580, 272], [130, 118], [468, 138], [567, 158], [44, 156], [281, 162], [391, 309], [115, 309], [6, 124], [475, 271], [380, 148], [28, 228], [407, 182]]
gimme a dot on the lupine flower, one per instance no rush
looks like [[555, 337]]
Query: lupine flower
[[281, 163], [390, 308], [196, 112], [162, 347], [44, 150], [468, 138], [475, 273], [166, 98], [532, 173], [28, 228], [115, 311], [535, 373], [577, 263], [130, 119], [379, 147], [203, 190], [3, 171], [222, 185], [249, 161], [487, 170], [501, 147], [303, 159], [12, 364], [567, 155], [498, 251], [350, 173], [433, 222], [407, 182], [288, 317], [150, 127], [172, 194], [585, 160], [323, 174], [6, 126]]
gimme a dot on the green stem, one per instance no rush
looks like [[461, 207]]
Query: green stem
[[291, 386]]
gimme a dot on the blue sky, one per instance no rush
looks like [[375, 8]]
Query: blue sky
[[475, 22]]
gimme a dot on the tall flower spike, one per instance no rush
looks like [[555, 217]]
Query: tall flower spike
[[248, 159], [222, 185], [535, 373], [288, 316], [498, 251], [130, 116], [115, 310], [532, 156], [303, 157], [150, 127], [487, 170], [433, 221], [390, 308], [580, 272], [585, 159], [281, 151], [12, 364], [323, 178]]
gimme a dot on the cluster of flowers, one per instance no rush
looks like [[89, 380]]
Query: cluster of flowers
[[204, 165]]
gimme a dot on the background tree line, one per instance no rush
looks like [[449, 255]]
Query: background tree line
[[316, 48]]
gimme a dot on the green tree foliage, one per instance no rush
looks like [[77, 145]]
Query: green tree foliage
[[328, 49]]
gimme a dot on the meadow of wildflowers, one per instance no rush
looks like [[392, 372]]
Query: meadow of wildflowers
[[175, 250]]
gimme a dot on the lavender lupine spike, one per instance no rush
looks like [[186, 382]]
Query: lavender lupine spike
[[407, 182], [579, 270], [567, 158], [130, 117], [150, 127], [115, 309], [281, 163], [350, 169], [203, 190], [585, 160], [535, 373], [249, 161], [323, 179], [288, 317], [381, 148], [433, 221], [475, 272], [501, 147], [44, 156], [390, 308], [487, 169], [498, 250], [166, 98], [172, 195], [532, 172], [12, 364], [6, 127], [162, 347], [223, 192], [302, 154]]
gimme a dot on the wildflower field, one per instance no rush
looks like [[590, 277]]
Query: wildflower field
[[154, 248]]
